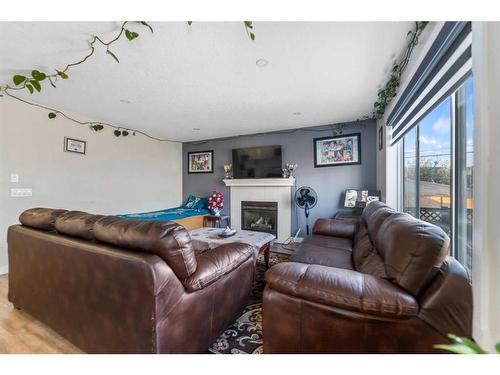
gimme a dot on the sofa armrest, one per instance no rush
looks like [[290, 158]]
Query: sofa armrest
[[215, 263], [341, 288], [336, 227]]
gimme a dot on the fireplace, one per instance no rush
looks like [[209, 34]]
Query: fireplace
[[259, 216]]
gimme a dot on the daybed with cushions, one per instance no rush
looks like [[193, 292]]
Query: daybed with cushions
[[190, 215], [383, 284], [113, 285]]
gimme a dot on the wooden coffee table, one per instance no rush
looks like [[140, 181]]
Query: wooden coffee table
[[208, 238]]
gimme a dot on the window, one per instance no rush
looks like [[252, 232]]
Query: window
[[437, 170], [434, 137], [465, 167], [410, 173]]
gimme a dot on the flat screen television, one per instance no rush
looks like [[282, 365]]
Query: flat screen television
[[257, 162]]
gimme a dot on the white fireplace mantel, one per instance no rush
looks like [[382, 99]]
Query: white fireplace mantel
[[290, 181], [277, 190]]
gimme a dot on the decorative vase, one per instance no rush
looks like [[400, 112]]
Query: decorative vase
[[216, 211]]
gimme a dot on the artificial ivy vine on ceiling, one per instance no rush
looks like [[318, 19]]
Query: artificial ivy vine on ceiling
[[386, 94], [34, 82]]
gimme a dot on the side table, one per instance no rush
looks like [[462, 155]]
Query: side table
[[215, 221]]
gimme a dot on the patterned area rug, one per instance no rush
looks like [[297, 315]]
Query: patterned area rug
[[245, 335]]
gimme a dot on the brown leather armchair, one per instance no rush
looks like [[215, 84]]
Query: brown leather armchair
[[381, 285], [112, 285]]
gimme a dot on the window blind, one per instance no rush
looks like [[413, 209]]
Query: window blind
[[444, 68]]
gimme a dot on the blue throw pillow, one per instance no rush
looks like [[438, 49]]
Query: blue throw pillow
[[196, 202], [201, 203], [190, 201]]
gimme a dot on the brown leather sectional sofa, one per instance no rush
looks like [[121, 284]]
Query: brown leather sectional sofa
[[111, 285], [381, 285]]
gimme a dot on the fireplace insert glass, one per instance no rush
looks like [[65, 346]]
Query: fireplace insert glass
[[259, 216]]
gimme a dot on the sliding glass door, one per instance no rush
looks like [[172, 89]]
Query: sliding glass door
[[437, 161], [435, 167], [410, 188], [464, 166]]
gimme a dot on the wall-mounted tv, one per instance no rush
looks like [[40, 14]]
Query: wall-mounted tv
[[257, 162]]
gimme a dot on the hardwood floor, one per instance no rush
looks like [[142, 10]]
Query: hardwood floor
[[20, 333]]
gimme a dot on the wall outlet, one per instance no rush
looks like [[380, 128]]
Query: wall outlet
[[18, 193], [14, 177]]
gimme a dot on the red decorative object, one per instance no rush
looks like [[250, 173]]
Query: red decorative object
[[216, 201]]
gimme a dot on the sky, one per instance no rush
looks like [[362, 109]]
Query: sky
[[435, 132]]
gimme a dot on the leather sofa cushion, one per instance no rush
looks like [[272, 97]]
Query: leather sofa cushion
[[331, 257], [77, 224], [373, 265], [345, 289], [374, 215], [217, 262], [363, 246], [345, 228], [412, 250], [41, 218], [446, 304], [365, 257], [328, 242], [167, 239]]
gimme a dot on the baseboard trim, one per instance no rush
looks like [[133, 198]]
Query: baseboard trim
[[4, 270]]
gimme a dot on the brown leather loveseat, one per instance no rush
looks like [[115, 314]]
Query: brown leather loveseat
[[381, 285], [112, 285]]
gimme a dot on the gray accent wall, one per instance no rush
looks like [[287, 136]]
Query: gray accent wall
[[297, 146]]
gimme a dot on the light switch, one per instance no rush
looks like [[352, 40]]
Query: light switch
[[14, 177], [19, 193]]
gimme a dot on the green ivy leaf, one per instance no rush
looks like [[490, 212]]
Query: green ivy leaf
[[248, 24], [39, 76], [18, 79], [456, 348], [36, 85], [467, 342], [190, 23], [125, 133], [30, 88], [422, 24], [131, 35], [52, 115], [252, 36], [147, 25], [117, 133], [497, 347], [62, 74], [113, 55]]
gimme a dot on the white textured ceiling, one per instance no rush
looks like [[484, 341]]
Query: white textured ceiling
[[205, 76]]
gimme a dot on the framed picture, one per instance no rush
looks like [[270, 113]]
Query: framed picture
[[337, 150], [75, 145], [381, 138], [356, 198], [201, 162]]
